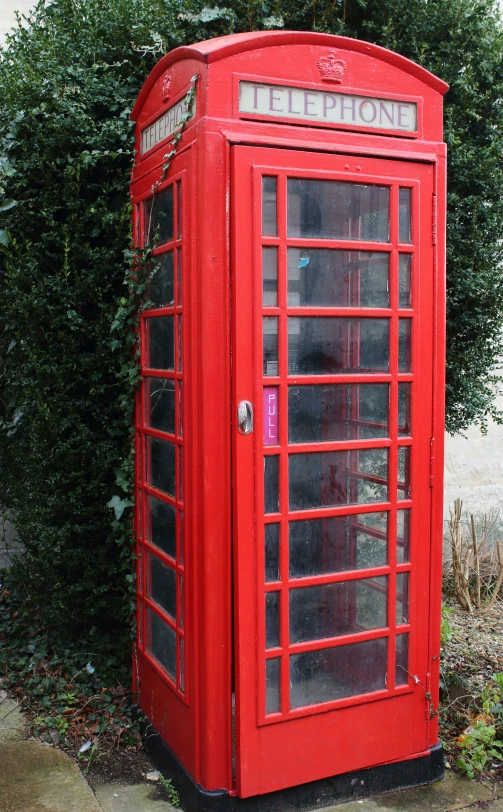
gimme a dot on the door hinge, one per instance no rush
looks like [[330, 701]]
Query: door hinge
[[434, 220], [432, 461]]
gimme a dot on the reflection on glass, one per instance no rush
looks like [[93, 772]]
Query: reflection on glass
[[402, 598], [269, 227], [334, 478], [404, 393], [147, 219], [270, 345], [324, 413], [161, 643], [180, 344], [404, 345], [272, 619], [179, 276], [404, 281], [271, 484], [334, 210], [331, 610], [139, 514], [332, 278], [162, 586], [160, 343], [180, 409], [181, 539], [161, 287], [335, 673], [337, 543], [180, 473], [179, 210], [403, 536], [404, 219], [161, 472], [402, 659], [403, 485], [162, 526], [270, 276], [320, 345], [160, 404], [272, 670], [182, 601], [162, 216], [271, 532]]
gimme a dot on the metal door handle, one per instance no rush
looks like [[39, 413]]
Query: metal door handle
[[245, 417]]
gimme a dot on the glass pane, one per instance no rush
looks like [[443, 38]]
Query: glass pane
[[180, 409], [182, 601], [147, 219], [272, 670], [404, 395], [404, 345], [139, 514], [334, 210], [338, 478], [163, 586], [402, 659], [324, 413], [160, 404], [161, 472], [331, 610], [161, 288], [181, 539], [162, 225], [269, 227], [272, 619], [335, 673], [270, 276], [404, 233], [403, 536], [160, 343], [271, 532], [337, 543], [162, 643], [320, 345], [403, 485], [404, 283], [179, 276], [332, 278], [180, 473], [162, 526], [271, 484], [180, 210], [402, 598], [270, 345], [180, 344]]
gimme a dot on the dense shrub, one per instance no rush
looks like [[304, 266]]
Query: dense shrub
[[68, 80]]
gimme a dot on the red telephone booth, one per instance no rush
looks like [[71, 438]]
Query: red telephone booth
[[290, 419]]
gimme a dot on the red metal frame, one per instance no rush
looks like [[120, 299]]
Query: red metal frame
[[223, 603]]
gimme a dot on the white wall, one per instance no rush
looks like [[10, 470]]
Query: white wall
[[7, 10]]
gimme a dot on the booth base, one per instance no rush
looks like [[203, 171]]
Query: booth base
[[317, 794]]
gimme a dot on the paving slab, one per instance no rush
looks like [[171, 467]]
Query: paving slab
[[135, 798], [35, 777], [453, 792], [12, 722]]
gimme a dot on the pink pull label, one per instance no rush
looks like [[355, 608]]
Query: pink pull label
[[270, 415]]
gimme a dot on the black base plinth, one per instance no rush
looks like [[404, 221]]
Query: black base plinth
[[317, 794]]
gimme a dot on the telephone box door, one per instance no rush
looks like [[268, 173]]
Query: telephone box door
[[332, 403]]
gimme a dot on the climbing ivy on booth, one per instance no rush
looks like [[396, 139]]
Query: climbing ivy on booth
[[71, 288]]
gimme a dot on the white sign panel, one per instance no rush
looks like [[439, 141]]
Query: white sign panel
[[327, 107], [165, 125]]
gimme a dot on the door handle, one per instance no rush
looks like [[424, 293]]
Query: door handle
[[245, 417]]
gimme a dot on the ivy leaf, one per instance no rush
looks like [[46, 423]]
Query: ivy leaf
[[7, 204], [4, 236], [119, 505]]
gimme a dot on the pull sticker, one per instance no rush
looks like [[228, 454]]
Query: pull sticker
[[270, 415]]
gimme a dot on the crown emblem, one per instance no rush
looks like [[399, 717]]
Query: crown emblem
[[166, 87], [331, 69]]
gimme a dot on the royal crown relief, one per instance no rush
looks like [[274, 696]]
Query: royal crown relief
[[325, 106]]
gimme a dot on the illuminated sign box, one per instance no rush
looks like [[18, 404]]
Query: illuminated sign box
[[327, 107]]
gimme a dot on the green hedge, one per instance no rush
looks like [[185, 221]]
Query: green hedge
[[68, 80]]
